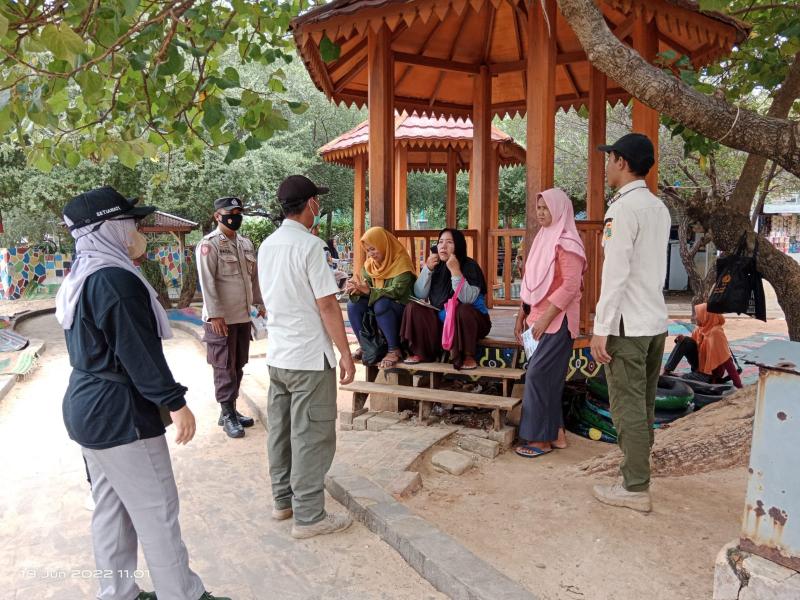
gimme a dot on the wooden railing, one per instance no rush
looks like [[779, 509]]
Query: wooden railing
[[506, 253], [418, 242]]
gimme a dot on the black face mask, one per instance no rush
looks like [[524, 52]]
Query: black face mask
[[231, 221]]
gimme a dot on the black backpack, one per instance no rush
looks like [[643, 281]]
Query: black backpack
[[739, 288]]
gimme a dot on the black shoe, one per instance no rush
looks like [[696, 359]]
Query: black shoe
[[147, 596], [231, 426], [243, 421], [208, 596]]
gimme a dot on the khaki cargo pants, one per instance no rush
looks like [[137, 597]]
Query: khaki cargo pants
[[632, 383], [301, 411]]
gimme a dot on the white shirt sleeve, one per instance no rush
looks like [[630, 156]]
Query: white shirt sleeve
[[422, 286], [320, 276], [620, 235]]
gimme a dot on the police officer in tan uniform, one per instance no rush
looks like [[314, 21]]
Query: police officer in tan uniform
[[226, 265]]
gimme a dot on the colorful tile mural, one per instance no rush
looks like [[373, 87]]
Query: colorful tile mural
[[26, 273]]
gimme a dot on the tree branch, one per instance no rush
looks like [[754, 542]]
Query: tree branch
[[750, 9], [712, 116]]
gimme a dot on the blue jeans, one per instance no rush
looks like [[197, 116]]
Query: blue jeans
[[387, 312]]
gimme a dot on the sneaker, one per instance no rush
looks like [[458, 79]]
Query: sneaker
[[209, 596], [616, 495], [332, 523], [281, 514], [88, 504], [232, 427], [244, 421]]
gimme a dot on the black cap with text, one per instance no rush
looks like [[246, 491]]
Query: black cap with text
[[101, 204]]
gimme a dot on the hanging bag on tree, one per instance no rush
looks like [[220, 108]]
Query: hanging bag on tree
[[450, 308], [739, 288], [373, 343]]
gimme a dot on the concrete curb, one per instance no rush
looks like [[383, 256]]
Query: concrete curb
[[443, 561], [7, 382]]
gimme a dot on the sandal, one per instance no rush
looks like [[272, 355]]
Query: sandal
[[469, 368], [390, 360], [414, 359], [527, 451]]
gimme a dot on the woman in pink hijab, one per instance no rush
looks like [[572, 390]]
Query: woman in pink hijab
[[551, 296]]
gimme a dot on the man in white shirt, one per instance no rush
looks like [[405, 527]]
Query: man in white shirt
[[630, 325], [303, 315]]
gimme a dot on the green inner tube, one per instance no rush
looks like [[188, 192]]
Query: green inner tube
[[671, 394], [662, 416], [590, 432]]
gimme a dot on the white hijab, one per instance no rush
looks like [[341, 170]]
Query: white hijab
[[98, 247]]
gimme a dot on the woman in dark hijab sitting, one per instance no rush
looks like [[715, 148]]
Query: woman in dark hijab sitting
[[442, 274]]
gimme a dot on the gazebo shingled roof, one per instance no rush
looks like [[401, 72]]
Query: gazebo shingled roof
[[427, 140], [439, 46]]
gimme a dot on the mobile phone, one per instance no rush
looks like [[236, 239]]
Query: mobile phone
[[435, 249]]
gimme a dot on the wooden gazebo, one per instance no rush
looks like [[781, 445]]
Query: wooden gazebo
[[422, 143], [165, 223], [481, 58]]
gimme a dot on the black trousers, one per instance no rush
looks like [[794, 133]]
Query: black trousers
[[228, 355], [686, 348]]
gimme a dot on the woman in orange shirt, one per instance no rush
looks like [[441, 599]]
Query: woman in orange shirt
[[551, 287]]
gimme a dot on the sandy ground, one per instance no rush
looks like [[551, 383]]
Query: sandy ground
[[233, 544], [537, 521]]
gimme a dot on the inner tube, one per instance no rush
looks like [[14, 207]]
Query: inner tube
[[699, 387], [672, 394], [701, 400], [592, 433], [602, 409]]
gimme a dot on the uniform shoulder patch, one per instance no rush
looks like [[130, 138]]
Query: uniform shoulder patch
[[205, 248], [608, 229]]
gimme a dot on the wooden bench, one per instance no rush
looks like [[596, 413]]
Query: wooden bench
[[427, 396], [505, 375]]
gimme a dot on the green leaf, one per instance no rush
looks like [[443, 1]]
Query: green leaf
[[276, 85], [63, 42], [73, 159], [232, 75], [252, 143], [298, 108], [92, 86], [127, 156], [130, 7], [212, 112], [174, 63], [235, 150], [328, 50], [233, 101], [3, 25]]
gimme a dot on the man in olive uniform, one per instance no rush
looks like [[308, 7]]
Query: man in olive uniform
[[226, 266]]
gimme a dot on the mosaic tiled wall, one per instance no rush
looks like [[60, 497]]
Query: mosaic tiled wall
[[25, 273], [169, 258]]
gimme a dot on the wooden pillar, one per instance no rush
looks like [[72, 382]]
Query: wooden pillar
[[452, 174], [481, 165], [541, 108], [401, 187], [645, 119], [381, 126], [359, 210], [596, 180], [494, 190]]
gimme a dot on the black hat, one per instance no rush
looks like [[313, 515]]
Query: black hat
[[229, 202], [297, 189], [101, 204], [633, 146]]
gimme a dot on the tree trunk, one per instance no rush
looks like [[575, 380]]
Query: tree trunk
[[152, 273], [189, 284], [742, 129], [762, 197], [779, 269], [716, 437], [753, 169]]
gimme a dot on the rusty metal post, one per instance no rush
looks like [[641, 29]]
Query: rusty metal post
[[771, 524]]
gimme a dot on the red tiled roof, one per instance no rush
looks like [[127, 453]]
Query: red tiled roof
[[421, 133]]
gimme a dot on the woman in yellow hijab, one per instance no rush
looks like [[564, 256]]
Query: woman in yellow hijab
[[385, 286]]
